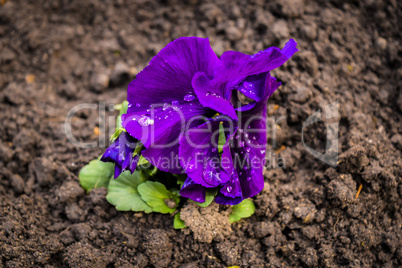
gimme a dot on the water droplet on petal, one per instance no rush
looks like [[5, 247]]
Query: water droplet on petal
[[189, 97], [248, 85], [145, 121], [175, 103], [138, 105], [262, 151], [229, 188]]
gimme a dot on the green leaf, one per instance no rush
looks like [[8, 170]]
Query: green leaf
[[209, 196], [123, 109], [142, 161], [116, 134], [150, 172], [175, 191], [180, 179], [178, 223], [96, 174], [123, 192], [157, 196], [138, 148], [222, 138], [243, 210]]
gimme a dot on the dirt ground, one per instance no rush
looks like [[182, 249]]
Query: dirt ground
[[57, 54]]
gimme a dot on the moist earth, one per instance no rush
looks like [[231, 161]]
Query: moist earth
[[57, 54]]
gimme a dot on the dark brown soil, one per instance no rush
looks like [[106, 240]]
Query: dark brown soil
[[57, 54]]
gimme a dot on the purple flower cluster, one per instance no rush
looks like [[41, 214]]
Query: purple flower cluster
[[209, 112]]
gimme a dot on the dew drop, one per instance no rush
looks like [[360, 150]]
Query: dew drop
[[175, 103], [145, 121], [229, 188], [189, 97], [262, 151], [129, 105], [248, 85]]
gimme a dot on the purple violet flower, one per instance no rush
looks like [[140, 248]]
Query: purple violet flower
[[121, 153], [178, 103]]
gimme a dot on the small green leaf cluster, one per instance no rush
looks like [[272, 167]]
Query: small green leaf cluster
[[129, 191]]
